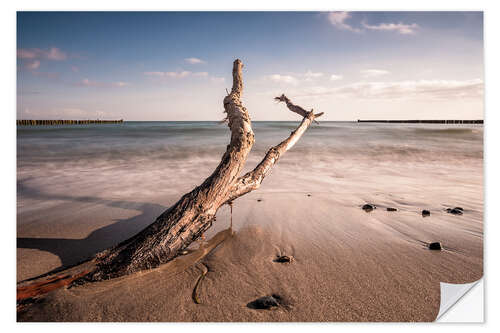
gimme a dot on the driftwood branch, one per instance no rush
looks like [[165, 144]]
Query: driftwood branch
[[252, 180], [185, 221], [195, 212], [295, 108]]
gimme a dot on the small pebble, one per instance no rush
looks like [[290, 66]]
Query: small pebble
[[259, 200], [264, 303], [455, 211], [283, 259], [390, 209], [368, 207], [425, 213], [308, 195], [435, 246]]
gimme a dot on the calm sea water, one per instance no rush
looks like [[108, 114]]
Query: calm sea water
[[139, 141], [139, 158]]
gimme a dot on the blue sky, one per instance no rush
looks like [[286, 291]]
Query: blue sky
[[177, 65]]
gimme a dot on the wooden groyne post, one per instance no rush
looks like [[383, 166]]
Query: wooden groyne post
[[32, 122], [431, 121]]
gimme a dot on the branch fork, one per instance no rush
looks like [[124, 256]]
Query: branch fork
[[185, 221]]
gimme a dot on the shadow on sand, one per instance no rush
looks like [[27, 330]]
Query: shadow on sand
[[72, 251]]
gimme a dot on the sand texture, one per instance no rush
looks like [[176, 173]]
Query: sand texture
[[349, 265]]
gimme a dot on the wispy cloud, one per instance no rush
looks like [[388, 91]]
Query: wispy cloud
[[75, 69], [373, 72], [48, 75], [287, 79], [65, 113], [87, 83], [120, 84], [56, 54], [421, 89], [310, 75], [338, 20], [90, 83], [176, 75], [335, 77], [216, 79], [53, 53], [32, 65], [294, 78], [404, 29], [194, 61]]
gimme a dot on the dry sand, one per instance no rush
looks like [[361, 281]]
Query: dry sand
[[349, 265]]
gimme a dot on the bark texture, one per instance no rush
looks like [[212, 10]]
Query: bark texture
[[195, 212]]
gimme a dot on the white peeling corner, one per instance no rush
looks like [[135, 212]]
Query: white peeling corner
[[460, 305]]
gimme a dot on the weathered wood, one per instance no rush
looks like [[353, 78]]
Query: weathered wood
[[252, 180], [195, 212], [295, 108], [185, 221]]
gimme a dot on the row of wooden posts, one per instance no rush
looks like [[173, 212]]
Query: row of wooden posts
[[448, 121], [32, 122]]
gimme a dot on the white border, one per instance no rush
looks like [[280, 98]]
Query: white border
[[8, 171]]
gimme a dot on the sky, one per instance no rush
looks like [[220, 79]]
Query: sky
[[156, 66]]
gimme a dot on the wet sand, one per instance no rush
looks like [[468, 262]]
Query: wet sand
[[349, 265], [81, 190]]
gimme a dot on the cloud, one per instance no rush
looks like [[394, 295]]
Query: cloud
[[53, 53], [373, 72], [335, 77], [120, 84], [194, 61], [27, 54], [216, 79], [65, 113], [337, 19], [87, 83], [56, 54], [309, 75], [48, 75], [287, 79], [154, 73], [75, 69], [404, 29], [32, 65], [91, 83], [176, 75], [422, 89]]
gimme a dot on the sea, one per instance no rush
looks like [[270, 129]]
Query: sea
[[145, 159]]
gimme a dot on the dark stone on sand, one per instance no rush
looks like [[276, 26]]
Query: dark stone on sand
[[455, 211], [283, 259], [425, 213], [391, 209], [308, 195], [259, 200], [435, 246], [264, 303], [368, 207]]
